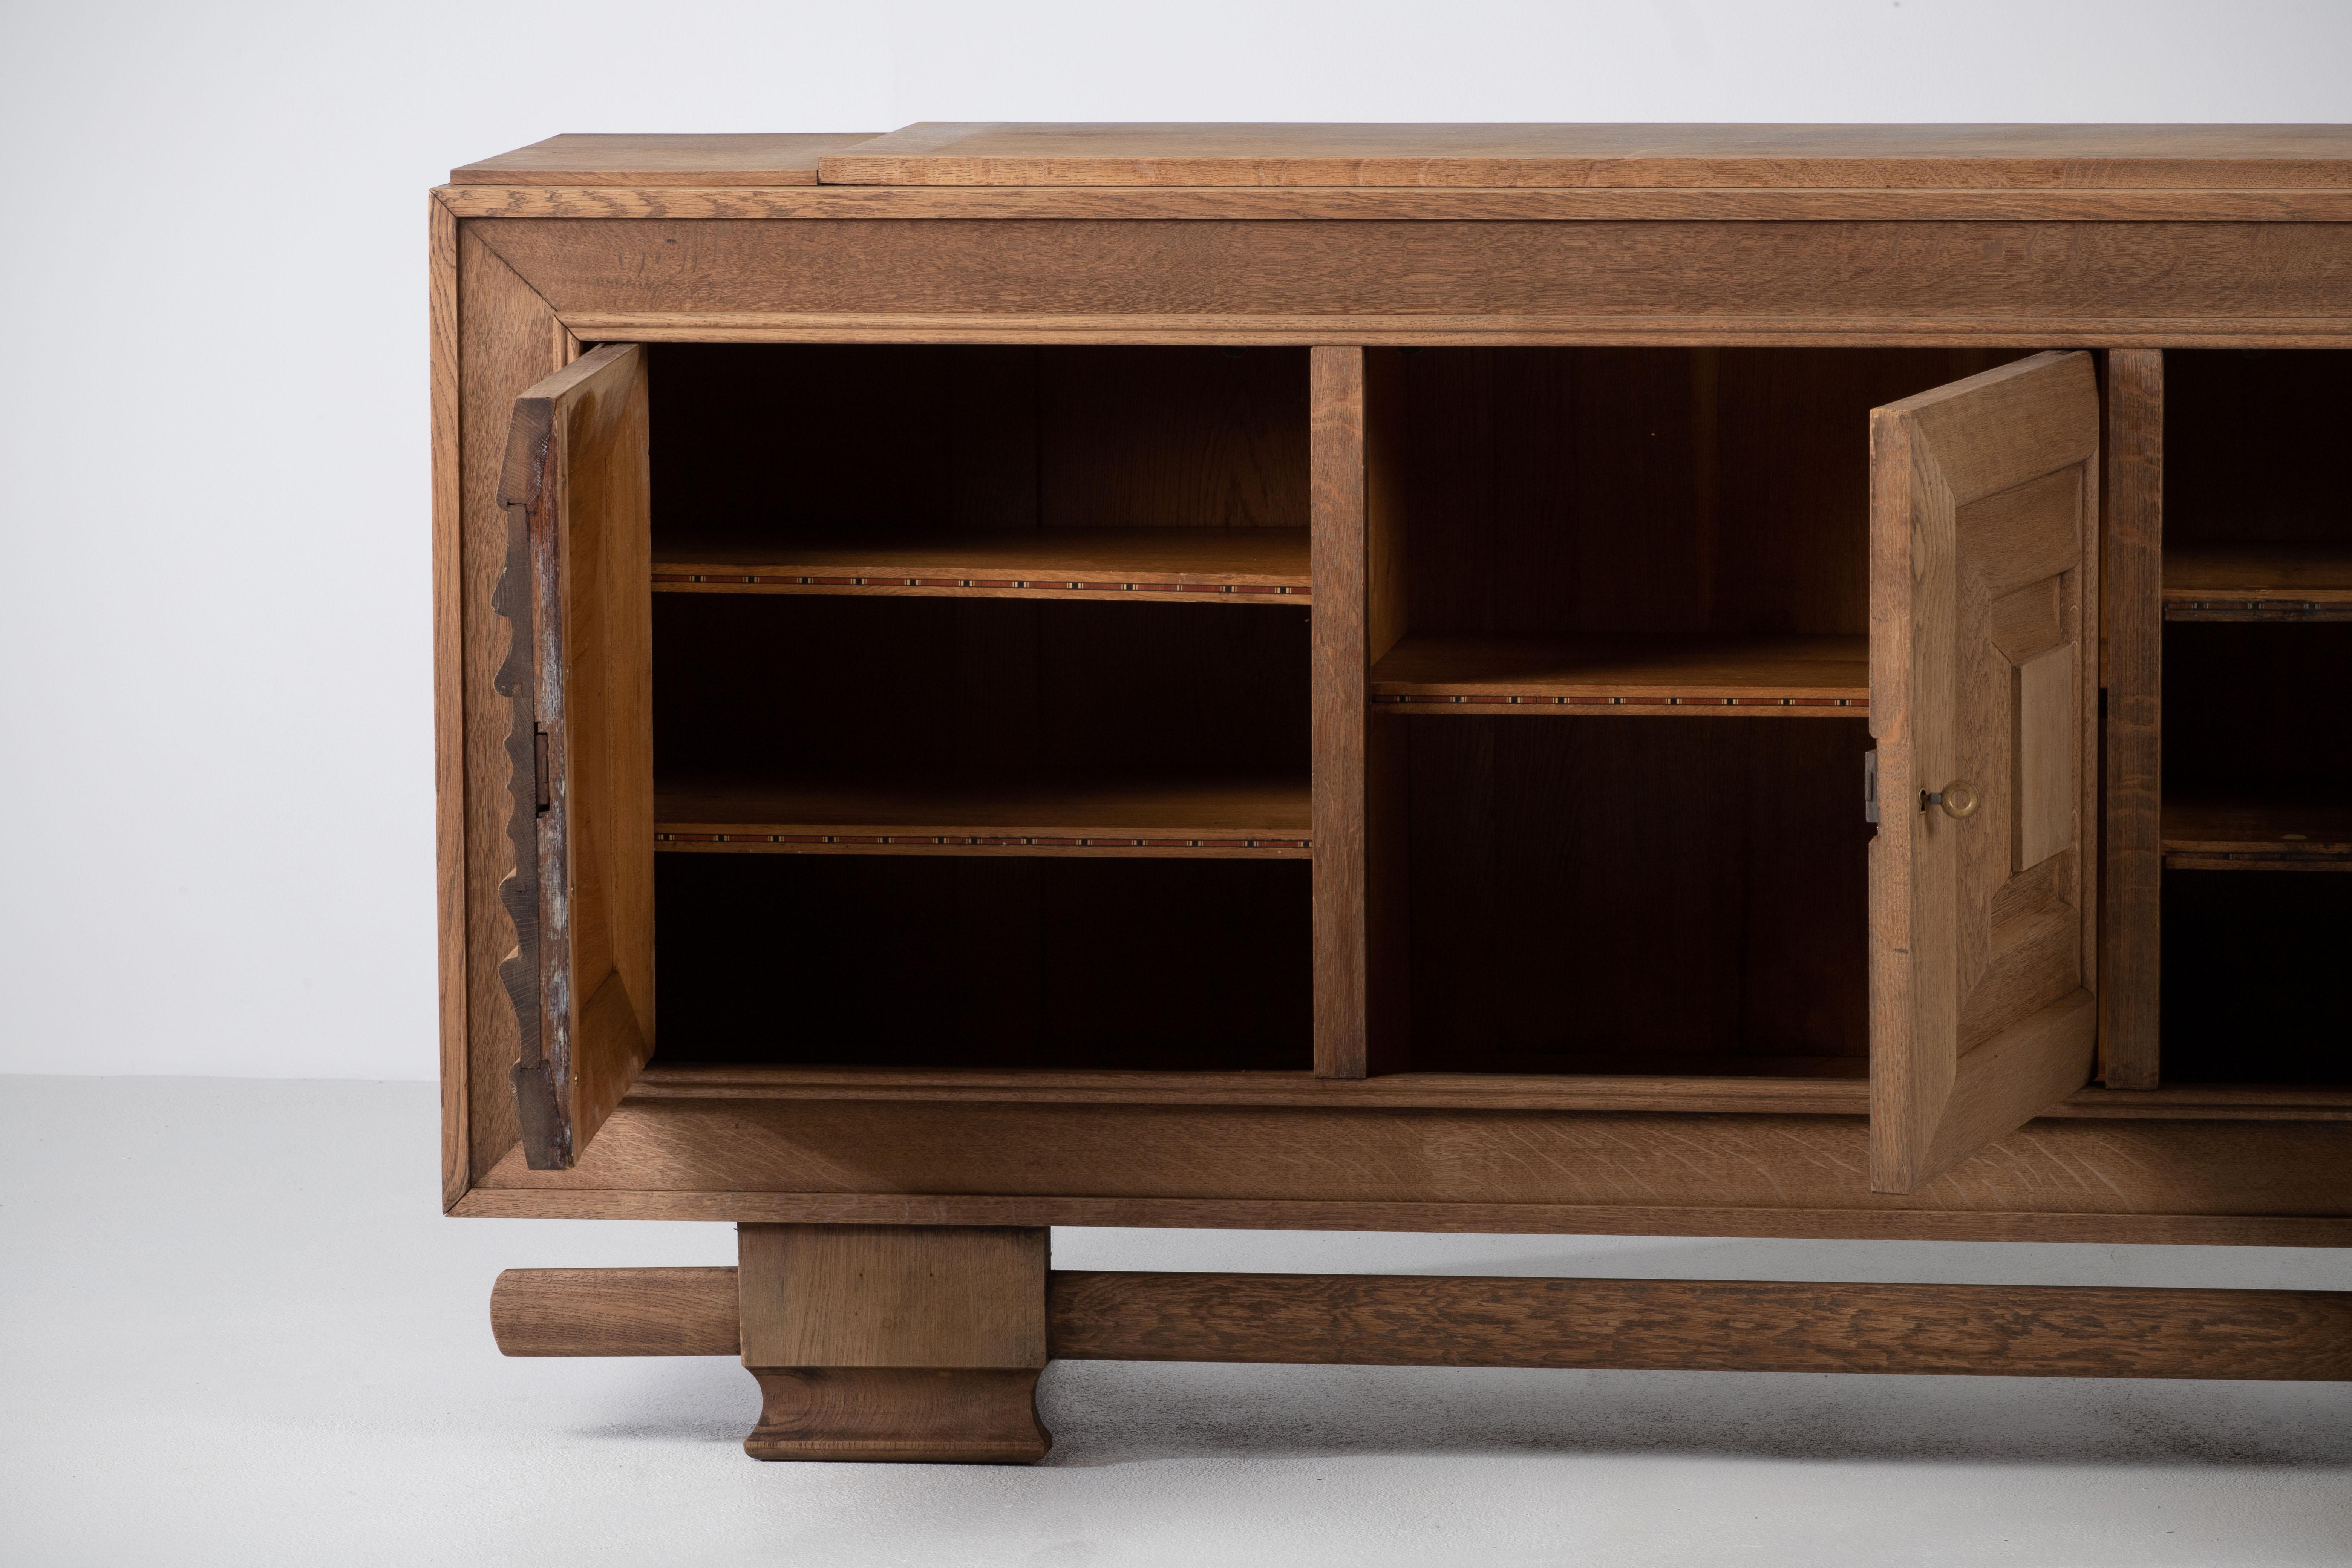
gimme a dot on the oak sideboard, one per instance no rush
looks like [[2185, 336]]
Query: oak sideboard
[[1713, 680]]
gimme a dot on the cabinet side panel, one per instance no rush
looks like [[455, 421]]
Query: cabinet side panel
[[507, 340], [449, 697], [2133, 627]]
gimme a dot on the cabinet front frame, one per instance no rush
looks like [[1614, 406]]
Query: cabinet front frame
[[514, 298]]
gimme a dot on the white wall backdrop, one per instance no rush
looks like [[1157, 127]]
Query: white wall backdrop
[[215, 798]]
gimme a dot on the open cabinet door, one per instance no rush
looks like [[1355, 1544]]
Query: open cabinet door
[[1983, 696], [578, 593]]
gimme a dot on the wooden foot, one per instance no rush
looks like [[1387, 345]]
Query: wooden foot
[[903, 1414], [894, 1343]]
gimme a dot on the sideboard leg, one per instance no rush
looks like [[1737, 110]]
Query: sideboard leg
[[894, 1343]]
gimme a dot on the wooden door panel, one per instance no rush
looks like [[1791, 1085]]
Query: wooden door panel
[[579, 675], [1983, 561]]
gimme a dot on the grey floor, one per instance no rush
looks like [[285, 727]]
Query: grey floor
[[236, 1331]]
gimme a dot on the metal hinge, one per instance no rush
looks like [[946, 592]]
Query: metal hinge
[[540, 792], [1870, 785]]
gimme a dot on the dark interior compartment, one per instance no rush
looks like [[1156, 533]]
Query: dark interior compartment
[[876, 961], [1654, 895], [754, 686], [751, 442], [2255, 966], [2251, 440], [1641, 491]]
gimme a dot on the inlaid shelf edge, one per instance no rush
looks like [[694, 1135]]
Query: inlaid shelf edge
[[1790, 677], [1167, 565], [1250, 818], [2215, 834], [2284, 582], [1790, 1091]]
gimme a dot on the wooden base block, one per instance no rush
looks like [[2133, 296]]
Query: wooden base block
[[899, 1415], [903, 1343]]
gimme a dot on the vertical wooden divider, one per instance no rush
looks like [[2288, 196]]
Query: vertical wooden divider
[[1360, 958], [2134, 639]]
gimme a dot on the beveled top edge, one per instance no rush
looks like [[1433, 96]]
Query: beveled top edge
[[587, 160], [1570, 155], [1493, 157]]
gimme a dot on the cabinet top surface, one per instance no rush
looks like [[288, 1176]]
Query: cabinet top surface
[[1995, 157]]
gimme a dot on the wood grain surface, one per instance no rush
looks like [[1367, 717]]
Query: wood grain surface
[[1618, 1219], [1657, 1165], [1620, 1324], [1878, 284], [1342, 728], [2313, 833], [578, 484], [450, 866], [2131, 639], [1834, 1086], [1268, 817], [1984, 556], [2292, 579], [676, 261], [1176, 565], [1414, 203], [507, 338], [1788, 676], [1013, 154], [1704, 1325], [673, 158], [616, 1312], [894, 1343]]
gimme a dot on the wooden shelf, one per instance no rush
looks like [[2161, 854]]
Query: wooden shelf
[[1805, 1095], [2258, 583], [1165, 565], [1794, 677], [1265, 819], [2219, 834]]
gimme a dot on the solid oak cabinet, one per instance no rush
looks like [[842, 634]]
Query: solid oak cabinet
[[1710, 681]]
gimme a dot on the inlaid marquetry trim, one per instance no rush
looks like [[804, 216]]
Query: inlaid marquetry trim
[[990, 841], [1831, 706], [674, 581], [2219, 609]]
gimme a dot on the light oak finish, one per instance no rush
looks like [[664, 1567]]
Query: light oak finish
[[1247, 818], [928, 471], [578, 484], [1173, 565], [616, 1312], [1825, 677], [672, 160], [505, 336], [1343, 283], [1983, 558], [449, 857], [2045, 698], [894, 1343], [1415, 203], [2130, 156], [2132, 650]]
